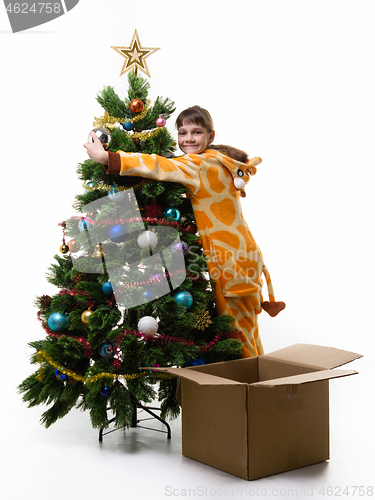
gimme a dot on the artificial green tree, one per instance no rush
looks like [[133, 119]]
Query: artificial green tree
[[94, 354]]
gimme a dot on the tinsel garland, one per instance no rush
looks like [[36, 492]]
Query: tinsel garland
[[149, 220], [94, 378], [150, 280], [143, 136], [109, 121], [109, 187]]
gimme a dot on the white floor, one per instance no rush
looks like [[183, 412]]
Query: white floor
[[67, 460]]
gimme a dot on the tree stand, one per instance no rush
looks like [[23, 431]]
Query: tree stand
[[135, 421]]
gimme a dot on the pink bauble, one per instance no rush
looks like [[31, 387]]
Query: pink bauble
[[160, 122]]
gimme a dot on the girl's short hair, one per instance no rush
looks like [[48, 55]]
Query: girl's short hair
[[197, 115]]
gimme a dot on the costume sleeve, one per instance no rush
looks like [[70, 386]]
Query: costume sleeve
[[184, 170]]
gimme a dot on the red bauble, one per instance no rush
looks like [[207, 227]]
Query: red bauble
[[136, 105], [190, 227]]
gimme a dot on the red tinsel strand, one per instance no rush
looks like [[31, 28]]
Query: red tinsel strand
[[84, 342], [151, 280], [149, 220], [151, 339], [211, 344]]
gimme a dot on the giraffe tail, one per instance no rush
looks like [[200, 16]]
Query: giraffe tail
[[272, 307]]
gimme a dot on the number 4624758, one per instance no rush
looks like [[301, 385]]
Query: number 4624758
[[34, 8]]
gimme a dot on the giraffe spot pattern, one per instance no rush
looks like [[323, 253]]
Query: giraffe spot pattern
[[234, 261]]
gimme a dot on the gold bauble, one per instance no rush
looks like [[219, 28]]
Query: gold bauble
[[64, 249], [85, 316]]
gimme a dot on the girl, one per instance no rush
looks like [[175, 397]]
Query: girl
[[215, 177]]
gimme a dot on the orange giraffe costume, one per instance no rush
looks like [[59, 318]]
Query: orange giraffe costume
[[234, 261]]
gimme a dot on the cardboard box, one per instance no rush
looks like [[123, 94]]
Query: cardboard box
[[260, 416]]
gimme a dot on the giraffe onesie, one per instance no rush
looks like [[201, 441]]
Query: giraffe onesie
[[234, 261]]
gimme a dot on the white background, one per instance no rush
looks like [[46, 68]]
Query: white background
[[290, 81]]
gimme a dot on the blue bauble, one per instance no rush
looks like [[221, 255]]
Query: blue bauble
[[89, 185], [85, 224], [181, 245], [107, 349], [118, 233], [57, 321], [115, 194], [196, 362], [183, 298], [172, 212], [149, 295], [106, 391], [128, 125], [59, 375], [107, 288]]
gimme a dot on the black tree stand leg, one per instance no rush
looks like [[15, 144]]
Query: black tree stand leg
[[135, 421]]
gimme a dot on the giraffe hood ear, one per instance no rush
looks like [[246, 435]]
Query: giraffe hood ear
[[239, 170]]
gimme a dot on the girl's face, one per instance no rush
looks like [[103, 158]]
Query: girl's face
[[193, 139]]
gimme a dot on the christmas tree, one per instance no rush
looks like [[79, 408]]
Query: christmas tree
[[133, 288]]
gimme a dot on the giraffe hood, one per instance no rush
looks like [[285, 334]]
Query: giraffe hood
[[239, 170]]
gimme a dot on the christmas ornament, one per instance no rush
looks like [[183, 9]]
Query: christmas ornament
[[115, 194], [57, 321], [147, 239], [107, 288], [45, 301], [107, 349], [161, 122], [85, 224], [128, 125], [135, 56], [203, 319], [73, 246], [239, 183], [117, 233], [98, 252], [148, 325], [102, 134], [149, 295], [85, 316], [64, 248], [172, 212], [136, 105], [90, 185], [190, 227], [196, 362], [59, 375], [105, 392], [181, 245], [185, 247], [183, 298]]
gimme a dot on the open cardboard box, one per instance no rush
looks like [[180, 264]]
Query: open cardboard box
[[260, 416]]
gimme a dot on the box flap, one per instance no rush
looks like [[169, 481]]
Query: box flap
[[305, 378], [194, 376], [314, 356]]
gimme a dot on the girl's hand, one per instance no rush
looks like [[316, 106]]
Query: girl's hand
[[96, 151]]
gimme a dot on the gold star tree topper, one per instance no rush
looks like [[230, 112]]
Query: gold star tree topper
[[135, 56]]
